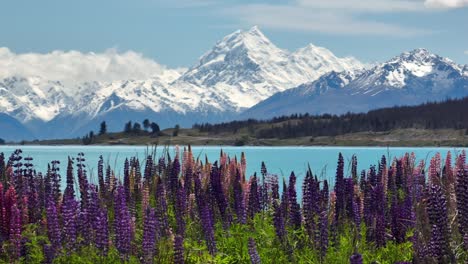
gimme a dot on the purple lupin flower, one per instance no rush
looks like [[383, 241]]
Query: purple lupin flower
[[324, 196], [3, 222], [2, 165], [278, 221], [239, 207], [10, 201], [180, 209], [356, 258], [92, 213], [70, 179], [174, 178], [461, 192], [437, 214], [357, 212], [294, 208], [49, 253], [218, 193], [263, 188], [285, 202], [102, 232], [15, 231], [70, 210], [161, 209], [126, 183], [206, 216], [149, 235], [53, 228], [436, 247], [148, 173], [379, 205], [323, 233], [122, 224], [179, 250], [362, 180], [102, 187], [310, 199], [253, 253], [82, 180], [254, 198], [354, 169], [340, 189], [349, 197], [55, 180]]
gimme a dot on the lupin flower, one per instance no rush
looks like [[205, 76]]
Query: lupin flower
[[254, 198], [122, 224], [437, 214], [349, 197], [295, 219], [102, 232], [70, 209], [70, 179], [102, 187], [126, 183], [161, 209], [174, 178], [53, 228], [254, 257], [310, 199], [323, 233], [179, 250], [15, 231], [356, 258], [180, 209], [461, 191], [206, 216], [218, 194], [149, 235], [278, 221], [340, 189], [49, 253], [239, 207], [10, 201]]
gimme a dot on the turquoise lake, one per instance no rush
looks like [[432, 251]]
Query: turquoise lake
[[279, 160]]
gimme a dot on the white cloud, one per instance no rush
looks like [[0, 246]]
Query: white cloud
[[328, 16], [445, 4], [364, 5], [73, 67], [466, 52]]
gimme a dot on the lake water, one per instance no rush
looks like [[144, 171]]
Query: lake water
[[279, 160]]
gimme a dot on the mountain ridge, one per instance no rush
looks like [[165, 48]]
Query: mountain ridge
[[240, 70], [411, 78]]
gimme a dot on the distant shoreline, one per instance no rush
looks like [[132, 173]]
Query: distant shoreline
[[393, 138]]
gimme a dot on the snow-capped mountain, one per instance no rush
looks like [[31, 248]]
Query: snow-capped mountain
[[32, 98], [245, 67], [242, 69], [411, 78], [239, 72]]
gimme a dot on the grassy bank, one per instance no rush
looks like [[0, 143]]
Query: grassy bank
[[398, 137]]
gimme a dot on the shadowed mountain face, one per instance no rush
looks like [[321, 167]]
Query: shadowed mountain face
[[412, 78], [11, 129]]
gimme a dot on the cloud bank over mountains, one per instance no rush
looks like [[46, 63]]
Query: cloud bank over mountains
[[446, 4], [71, 67]]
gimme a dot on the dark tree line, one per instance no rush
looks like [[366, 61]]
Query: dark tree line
[[136, 127], [451, 113]]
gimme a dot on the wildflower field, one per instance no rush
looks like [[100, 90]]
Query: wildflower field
[[175, 208]]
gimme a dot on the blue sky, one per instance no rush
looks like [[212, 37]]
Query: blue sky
[[177, 32]]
